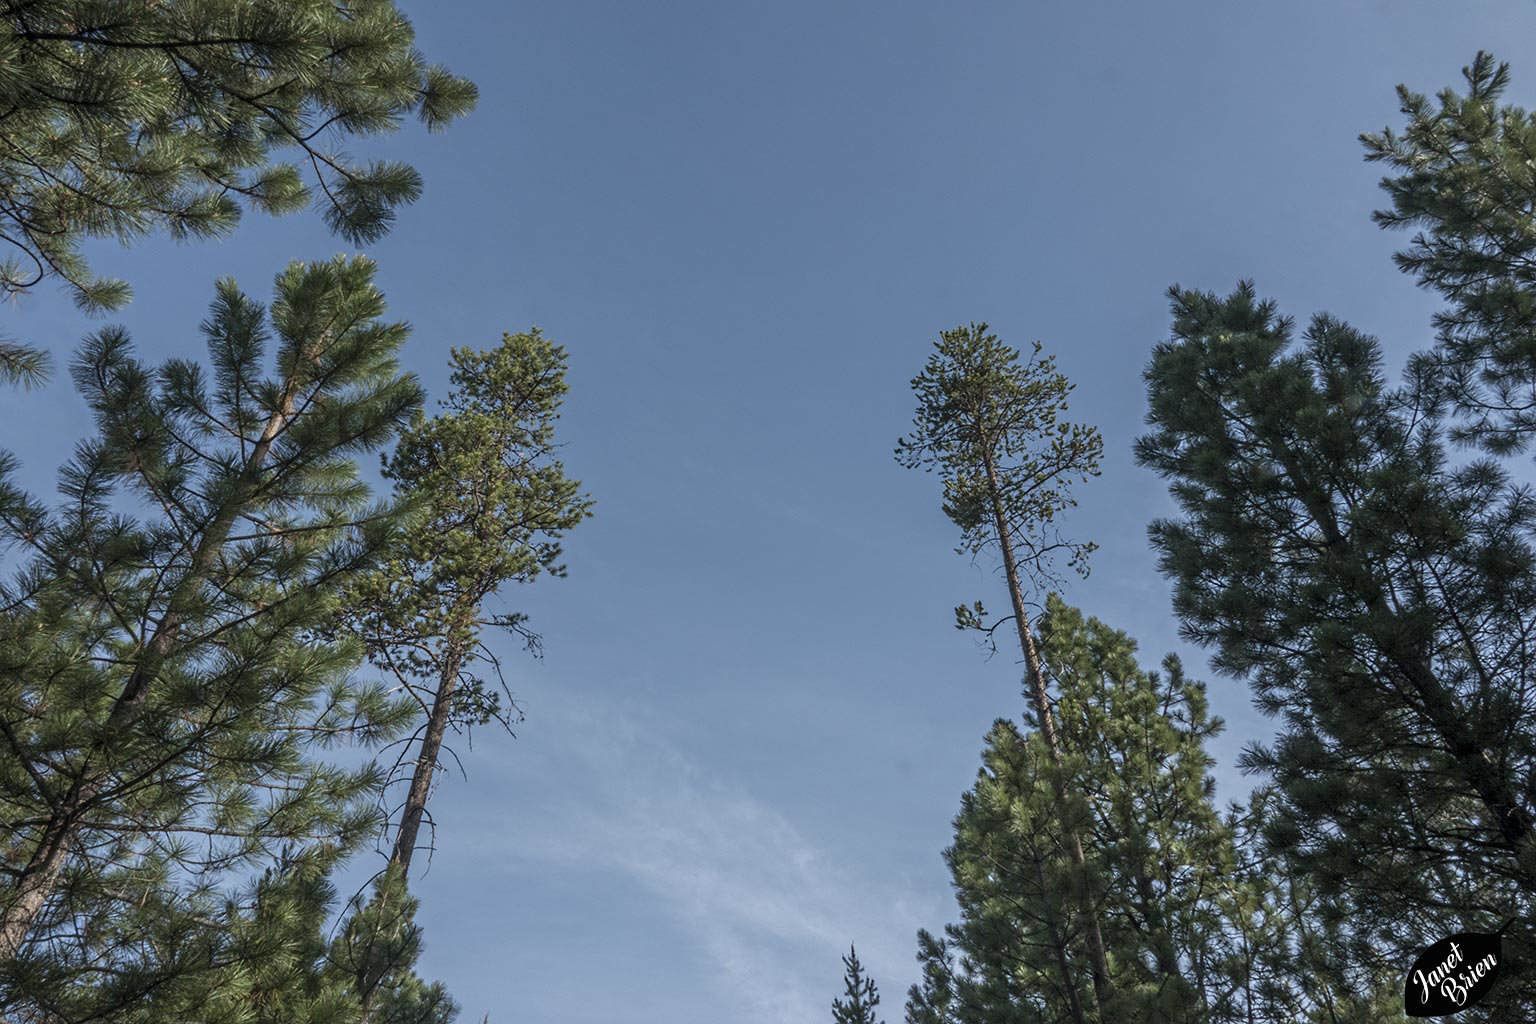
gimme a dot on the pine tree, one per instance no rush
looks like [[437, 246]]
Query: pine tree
[[494, 504], [992, 425], [275, 960], [1376, 589], [491, 504], [1196, 932], [932, 999], [1378, 596], [1138, 741], [860, 996], [1021, 939], [1295, 950], [1465, 184], [167, 690]]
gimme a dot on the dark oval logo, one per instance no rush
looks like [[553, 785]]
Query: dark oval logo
[[1454, 973]]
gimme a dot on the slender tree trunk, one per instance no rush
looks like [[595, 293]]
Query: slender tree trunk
[[422, 773], [1103, 988], [41, 873], [1248, 981], [431, 744], [1197, 961], [36, 882]]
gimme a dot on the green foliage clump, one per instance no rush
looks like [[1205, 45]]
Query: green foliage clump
[[127, 116], [1466, 181], [860, 996]]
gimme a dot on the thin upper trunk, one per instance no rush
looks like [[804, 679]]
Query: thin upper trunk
[[422, 773], [431, 744], [1098, 962]]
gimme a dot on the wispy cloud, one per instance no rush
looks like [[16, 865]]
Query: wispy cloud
[[771, 907]]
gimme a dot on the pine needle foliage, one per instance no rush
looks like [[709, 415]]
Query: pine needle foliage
[[168, 687], [990, 420], [22, 364], [1378, 596], [1464, 181], [860, 996], [1196, 931], [124, 117]]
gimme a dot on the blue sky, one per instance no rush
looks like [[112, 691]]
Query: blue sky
[[748, 222]]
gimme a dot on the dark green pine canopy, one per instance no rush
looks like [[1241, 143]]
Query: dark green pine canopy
[[124, 117], [1378, 593]]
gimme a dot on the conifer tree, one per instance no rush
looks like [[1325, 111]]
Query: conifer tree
[[274, 960], [1196, 932], [1379, 598], [494, 504], [992, 425], [491, 504], [860, 996], [1138, 757], [375, 956], [1464, 181], [167, 690], [1296, 949]]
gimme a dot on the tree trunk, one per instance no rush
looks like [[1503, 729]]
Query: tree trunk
[[1103, 988], [426, 759], [431, 745], [36, 882]]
